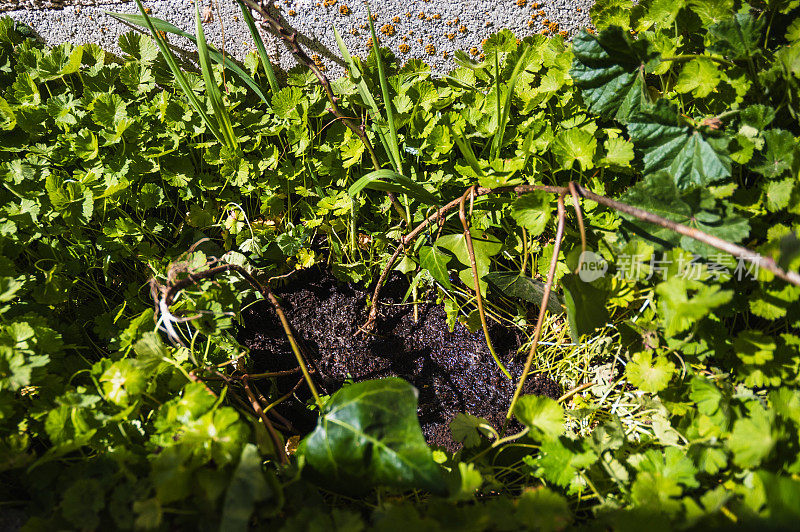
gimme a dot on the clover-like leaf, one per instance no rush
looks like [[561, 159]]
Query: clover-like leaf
[[609, 69], [369, 435], [689, 155]]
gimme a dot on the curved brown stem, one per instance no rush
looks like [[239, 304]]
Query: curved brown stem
[[537, 333], [169, 292], [473, 264], [276, 441], [579, 215]]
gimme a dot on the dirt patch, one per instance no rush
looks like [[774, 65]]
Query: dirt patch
[[453, 371]]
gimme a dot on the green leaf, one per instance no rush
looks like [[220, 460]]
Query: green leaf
[[109, 109], [285, 101], [532, 211], [399, 183], [484, 245], [647, 374], [752, 438], [369, 435], [216, 56], [574, 145], [138, 46], [619, 152], [255, 34], [779, 154], [698, 76], [736, 37], [8, 120], [123, 382], [561, 459], [248, 488], [542, 509], [465, 428], [61, 61], [778, 193], [586, 306], [436, 263], [515, 285], [609, 69], [697, 208], [681, 309], [690, 156], [541, 414], [605, 13]]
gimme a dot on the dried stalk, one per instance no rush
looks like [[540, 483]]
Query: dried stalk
[[739, 252], [168, 293], [276, 441], [473, 264], [537, 332]]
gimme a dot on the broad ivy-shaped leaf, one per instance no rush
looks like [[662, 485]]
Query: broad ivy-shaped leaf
[[647, 374], [585, 304], [574, 145], [369, 435], [435, 261], [466, 428], [737, 37], [485, 246], [609, 69], [514, 285], [658, 194], [533, 211], [691, 156]]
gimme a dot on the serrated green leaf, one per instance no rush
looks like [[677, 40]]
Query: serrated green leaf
[[585, 305], [737, 37], [752, 438], [619, 152], [680, 309], [8, 120], [574, 145], [690, 156], [649, 375], [541, 414], [779, 154], [138, 46], [465, 428], [698, 76], [533, 211], [609, 69]]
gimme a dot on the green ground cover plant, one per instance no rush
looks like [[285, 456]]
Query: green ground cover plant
[[147, 200]]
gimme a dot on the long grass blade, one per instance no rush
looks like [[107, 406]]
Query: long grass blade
[[212, 89], [179, 77], [512, 83], [363, 90], [394, 144], [399, 183], [262, 51], [216, 56], [495, 147]]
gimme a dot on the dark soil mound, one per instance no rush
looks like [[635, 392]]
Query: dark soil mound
[[453, 371]]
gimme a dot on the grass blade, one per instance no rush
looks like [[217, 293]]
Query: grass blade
[[399, 183], [512, 82], [179, 77], [394, 145], [262, 51], [495, 147], [212, 89], [216, 56], [363, 90]]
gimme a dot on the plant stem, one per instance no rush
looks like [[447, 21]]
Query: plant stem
[[473, 264], [537, 333], [689, 57]]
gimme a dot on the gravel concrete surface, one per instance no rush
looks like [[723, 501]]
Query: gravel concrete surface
[[430, 30]]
